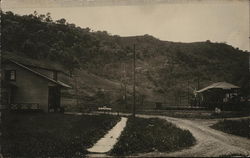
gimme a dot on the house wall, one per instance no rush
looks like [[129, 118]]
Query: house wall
[[2, 93], [31, 88]]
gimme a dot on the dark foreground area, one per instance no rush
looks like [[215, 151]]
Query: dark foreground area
[[236, 127], [51, 135], [147, 135]]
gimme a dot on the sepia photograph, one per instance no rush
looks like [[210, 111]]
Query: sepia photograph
[[124, 78]]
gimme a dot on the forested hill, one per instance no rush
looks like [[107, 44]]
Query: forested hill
[[163, 67]]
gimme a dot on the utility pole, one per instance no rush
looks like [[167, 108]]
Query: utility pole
[[134, 82], [125, 86], [188, 92], [249, 38], [198, 88], [175, 93], [76, 90], [249, 47], [198, 82], [180, 100], [1, 101]]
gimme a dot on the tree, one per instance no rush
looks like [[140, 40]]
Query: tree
[[61, 21], [48, 18]]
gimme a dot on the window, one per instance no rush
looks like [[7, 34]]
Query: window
[[10, 75]]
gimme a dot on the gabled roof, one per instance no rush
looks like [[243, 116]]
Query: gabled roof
[[219, 85], [33, 63], [40, 75]]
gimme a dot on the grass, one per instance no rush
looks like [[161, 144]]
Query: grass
[[51, 135], [148, 135], [196, 114], [234, 155], [236, 127]]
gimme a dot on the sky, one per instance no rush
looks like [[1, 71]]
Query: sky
[[179, 21]]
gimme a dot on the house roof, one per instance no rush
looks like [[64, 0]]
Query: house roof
[[41, 75], [32, 63], [219, 85]]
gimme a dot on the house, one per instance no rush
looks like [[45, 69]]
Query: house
[[220, 94], [31, 87]]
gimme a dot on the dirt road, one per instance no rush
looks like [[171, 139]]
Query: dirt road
[[209, 143]]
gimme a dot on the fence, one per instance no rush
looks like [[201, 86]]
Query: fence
[[24, 106]]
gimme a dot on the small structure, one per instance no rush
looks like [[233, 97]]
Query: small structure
[[29, 87], [104, 108], [220, 95]]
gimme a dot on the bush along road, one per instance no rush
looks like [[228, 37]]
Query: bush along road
[[147, 135], [237, 127]]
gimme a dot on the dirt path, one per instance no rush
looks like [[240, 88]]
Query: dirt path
[[210, 142]]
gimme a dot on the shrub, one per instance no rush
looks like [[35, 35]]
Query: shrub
[[237, 127], [147, 135]]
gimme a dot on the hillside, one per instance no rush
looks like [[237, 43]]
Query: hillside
[[104, 61]]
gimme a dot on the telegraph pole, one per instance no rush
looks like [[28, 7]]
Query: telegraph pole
[[134, 82], [175, 93], [248, 92], [76, 89], [188, 91], [249, 39], [125, 86], [249, 46]]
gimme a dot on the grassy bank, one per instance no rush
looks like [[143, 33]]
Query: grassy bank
[[237, 127], [44, 135], [196, 114], [147, 135], [233, 155]]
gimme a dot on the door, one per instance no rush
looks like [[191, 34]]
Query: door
[[54, 98]]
